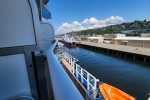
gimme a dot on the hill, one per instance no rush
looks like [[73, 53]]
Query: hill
[[136, 25]]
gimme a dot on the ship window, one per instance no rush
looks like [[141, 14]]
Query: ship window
[[45, 13]]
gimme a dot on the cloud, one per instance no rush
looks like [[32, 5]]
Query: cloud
[[90, 23], [74, 26]]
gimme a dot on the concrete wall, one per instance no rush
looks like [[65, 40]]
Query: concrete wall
[[147, 44], [136, 43], [145, 35], [120, 35], [108, 36], [92, 39], [84, 39], [111, 36], [96, 39]]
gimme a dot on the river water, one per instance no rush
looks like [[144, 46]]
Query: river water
[[127, 75]]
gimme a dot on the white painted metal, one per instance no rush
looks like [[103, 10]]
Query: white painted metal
[[47, 32], [16, 23], [81, 76], [76, 72], [63, 87], [72, 61], [73, 67]]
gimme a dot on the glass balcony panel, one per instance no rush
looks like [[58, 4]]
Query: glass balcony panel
[[45, 13]]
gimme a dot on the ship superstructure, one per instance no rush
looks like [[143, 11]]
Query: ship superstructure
[[30, 68]]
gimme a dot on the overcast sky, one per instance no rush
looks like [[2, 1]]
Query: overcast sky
[[75, 15]]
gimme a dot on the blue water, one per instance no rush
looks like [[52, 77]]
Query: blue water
[[129, 76]]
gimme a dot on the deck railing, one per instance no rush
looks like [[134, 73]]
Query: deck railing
[[86, 79], [63, 87]]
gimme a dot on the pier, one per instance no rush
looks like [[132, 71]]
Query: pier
[[136, 53]]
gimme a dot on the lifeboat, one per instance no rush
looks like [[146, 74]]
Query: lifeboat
[[111, 93]]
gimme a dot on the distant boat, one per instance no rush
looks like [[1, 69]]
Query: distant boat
[[69, 41]]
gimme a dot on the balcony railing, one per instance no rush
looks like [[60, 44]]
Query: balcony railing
[[63, 87], [86, 79]]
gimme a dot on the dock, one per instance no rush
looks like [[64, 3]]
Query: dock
[[119, 50]]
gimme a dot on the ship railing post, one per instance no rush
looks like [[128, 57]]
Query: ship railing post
[[71, 60], [74, 59], [68, 58], [73, 66], [65, 56], [77, 70], [88, 87], [97, 83], [81, 76]]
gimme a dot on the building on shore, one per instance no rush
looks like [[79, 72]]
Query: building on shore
[[81, 38], [98, 39], [132, 41], [111, 36], [145, 35]]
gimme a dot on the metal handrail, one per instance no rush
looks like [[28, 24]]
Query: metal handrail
[[63, 87], [75, 66]]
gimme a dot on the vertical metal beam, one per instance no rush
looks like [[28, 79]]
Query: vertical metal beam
[[88, 78]]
